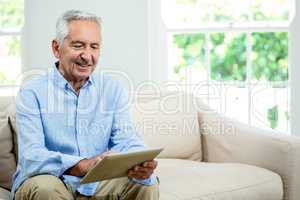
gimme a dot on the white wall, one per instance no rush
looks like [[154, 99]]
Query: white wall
[[125, 33], [295, 72], [157, 43]]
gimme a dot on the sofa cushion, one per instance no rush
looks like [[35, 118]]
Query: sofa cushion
[[6, 101], [7, 157], [169, 121], [11, 110], [4, 194], [184, 179]]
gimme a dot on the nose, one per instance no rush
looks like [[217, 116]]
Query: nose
[[86, 56]]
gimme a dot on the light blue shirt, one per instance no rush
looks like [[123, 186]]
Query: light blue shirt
[[57, 128]]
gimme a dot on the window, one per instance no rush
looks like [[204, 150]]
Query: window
[[235, 53], [11, 23]]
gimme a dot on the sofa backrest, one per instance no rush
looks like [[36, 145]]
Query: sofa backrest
[[7, 153], [6, 101], [168, 120]]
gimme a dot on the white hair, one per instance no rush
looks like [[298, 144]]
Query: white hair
[[62, 28]]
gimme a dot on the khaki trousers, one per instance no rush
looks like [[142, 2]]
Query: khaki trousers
[[47, 187]]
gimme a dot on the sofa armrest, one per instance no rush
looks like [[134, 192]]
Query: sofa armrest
[[227, 140], [4, 194]]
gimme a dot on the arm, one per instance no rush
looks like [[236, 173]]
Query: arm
[[123, 135], [226, 140], [124, 138], [84, 165], [34, 157]]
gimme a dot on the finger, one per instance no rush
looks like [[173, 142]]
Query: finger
[[91, 163], [138, 176], [141, 173], [105, 154], [140, 169], [110, 152], [98, 158], [150, 164]]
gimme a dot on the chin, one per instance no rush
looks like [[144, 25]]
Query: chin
[[81, 76], [84, 74]]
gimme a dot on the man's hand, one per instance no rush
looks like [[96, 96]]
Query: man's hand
[[143, 171], [83, 166]]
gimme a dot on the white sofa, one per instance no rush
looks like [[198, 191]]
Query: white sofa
[[206, 157]]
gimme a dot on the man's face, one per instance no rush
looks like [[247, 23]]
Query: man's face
[[79, 53]]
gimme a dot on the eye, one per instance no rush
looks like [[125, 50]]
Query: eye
[[95, 46], [77, 45]]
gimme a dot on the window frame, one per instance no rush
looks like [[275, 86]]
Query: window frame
[[159, 33], [6, 89]]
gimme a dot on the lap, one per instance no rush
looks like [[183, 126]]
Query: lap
[[51, 187], [42, 185], [124, 188]]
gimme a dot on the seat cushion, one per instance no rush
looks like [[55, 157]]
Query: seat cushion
[[4, 194], [191, 180], [7, 157]]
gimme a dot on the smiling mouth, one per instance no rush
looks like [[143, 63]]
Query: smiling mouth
[[82, 65], [82, 68]]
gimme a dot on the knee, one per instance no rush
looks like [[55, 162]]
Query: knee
[[44, 187]]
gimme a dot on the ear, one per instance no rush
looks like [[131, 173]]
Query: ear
[[55, 48]]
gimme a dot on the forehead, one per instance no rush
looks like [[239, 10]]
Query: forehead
[[84, 30]]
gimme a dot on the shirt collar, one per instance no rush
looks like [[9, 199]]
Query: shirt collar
[[60, 80]]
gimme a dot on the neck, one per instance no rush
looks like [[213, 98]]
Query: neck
[[75, 83]]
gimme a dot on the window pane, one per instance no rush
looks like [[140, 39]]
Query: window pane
[[270, 56], [182, 13], [229, 100], [229, 10], [10, 60], [228, 56], [271, 9], [187, 57], [270, 108], [11, 13], [195, 12], [236, 103], [211, 94]]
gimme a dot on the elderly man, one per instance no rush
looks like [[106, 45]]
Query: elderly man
[[70, 118]]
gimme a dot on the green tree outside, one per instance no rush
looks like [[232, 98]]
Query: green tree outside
[[11, 18], [228, 60]]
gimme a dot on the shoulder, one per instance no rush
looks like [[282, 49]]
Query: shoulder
[[35, 84], [32, 89]]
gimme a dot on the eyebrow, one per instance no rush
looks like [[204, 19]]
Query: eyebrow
[[77, 41], [81, 42]]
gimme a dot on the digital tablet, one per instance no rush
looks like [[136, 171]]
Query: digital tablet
[[117, 165]]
